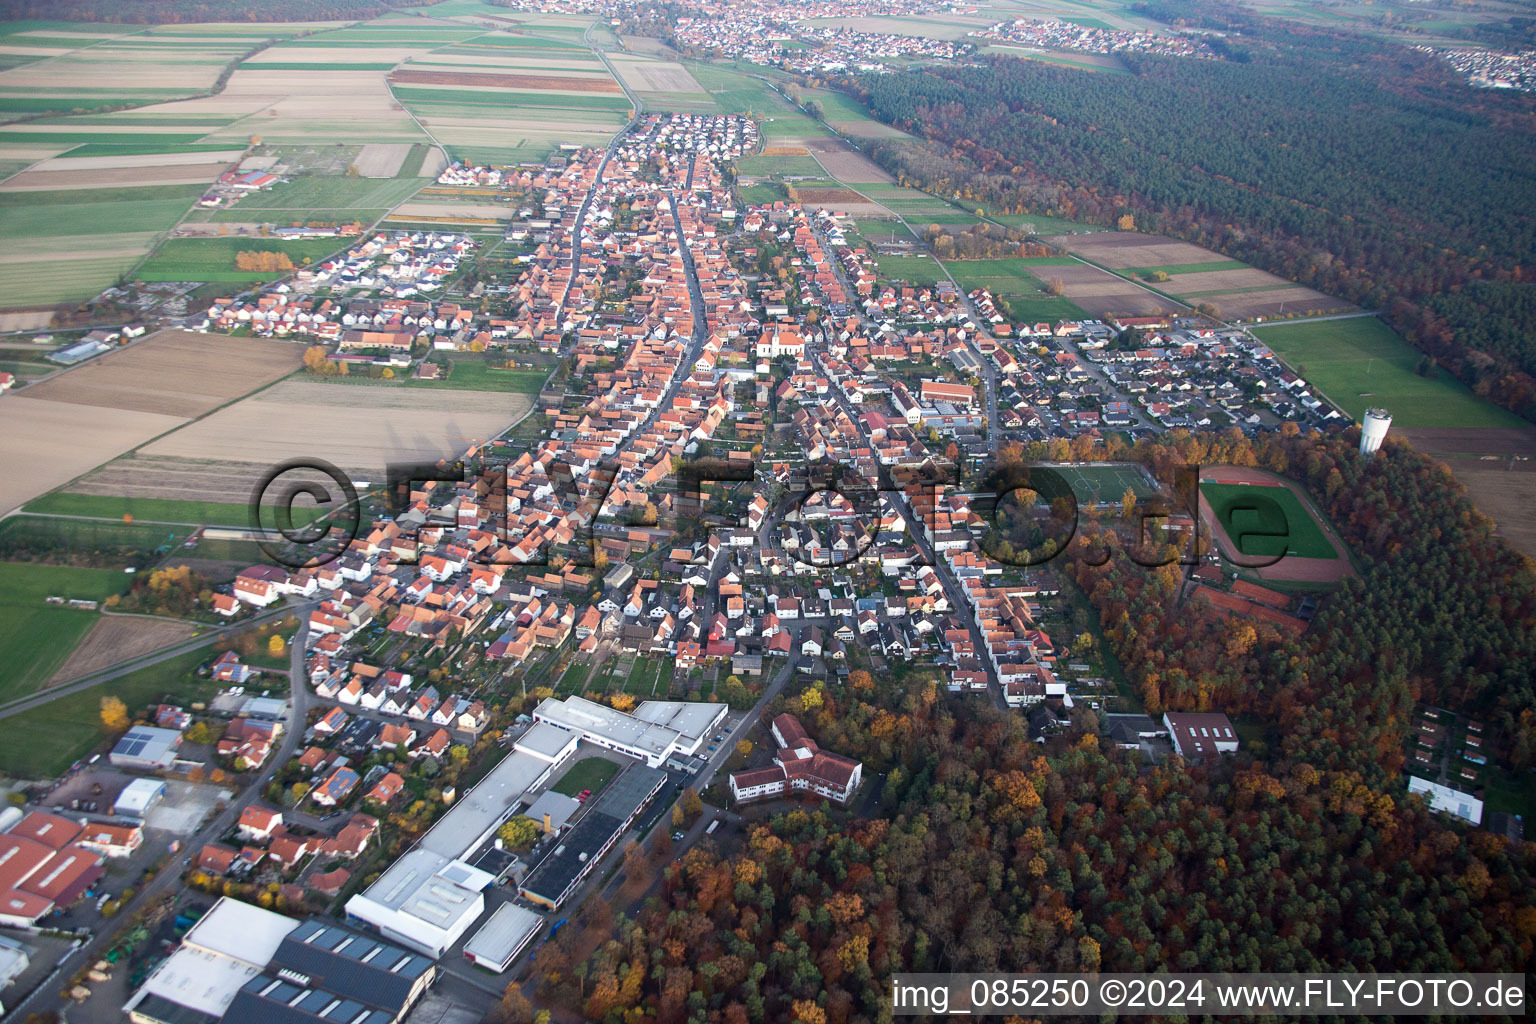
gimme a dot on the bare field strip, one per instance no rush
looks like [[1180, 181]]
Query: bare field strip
[[657, 76], [26, 320], [50, 443], [322, 56], [358, 427], [846, 165], [542, 82], [118, 638], [1125, 249], [868, 130], [1272, 303], [176, 373], [1099, 292], [47, 181], [381, 160], [140, 160], [1215, 280], [477, 211]]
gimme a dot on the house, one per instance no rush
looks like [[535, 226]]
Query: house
[[216, 860], [386, 789], [258, 823], [111, 840], [336, 787]]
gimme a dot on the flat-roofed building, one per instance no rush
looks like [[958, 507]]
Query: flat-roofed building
[[146, 747], [1200, 735], [555, 878], [505, 934], [656, 731], [325, 974], [424, 901], [228, 946]]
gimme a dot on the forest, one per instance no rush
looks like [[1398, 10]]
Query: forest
[[189, 12], [1290, 154], [991, 852]]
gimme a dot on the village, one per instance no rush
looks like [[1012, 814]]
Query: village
[[757, 475]]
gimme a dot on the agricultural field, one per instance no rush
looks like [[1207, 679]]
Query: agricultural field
[[360, 429], [37, 637], [1196, 275], [181, 512], [663, 85], [1487, 461], [118, 638], [45, 741], [496, 98], [94, 543], [1360, 363], [1018, 283], [67, 244], [213, 259], [75, 421]]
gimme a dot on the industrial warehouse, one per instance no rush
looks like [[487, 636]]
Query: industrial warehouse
[[431, 898]]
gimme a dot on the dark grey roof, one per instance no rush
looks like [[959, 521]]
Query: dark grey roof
[[167, 1012], [323, 973]]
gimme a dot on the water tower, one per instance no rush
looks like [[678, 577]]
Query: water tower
[[1374, 430]]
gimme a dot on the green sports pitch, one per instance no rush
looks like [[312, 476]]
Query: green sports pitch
[[1265, 521], [1096, 482]]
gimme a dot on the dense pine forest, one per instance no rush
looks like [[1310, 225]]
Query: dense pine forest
[[1362, 168], [991, 852]]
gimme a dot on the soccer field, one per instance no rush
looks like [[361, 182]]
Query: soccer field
[[1106, 481], [1259, 519]]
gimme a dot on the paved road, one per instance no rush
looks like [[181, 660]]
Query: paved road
[[46, 998]]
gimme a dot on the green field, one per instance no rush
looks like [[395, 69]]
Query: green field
[[1013, 281], [1106, 481], [589, 773], [145, 510], [103, 542], [45, 741], [93, 211], [213, 259], [1264, 521], [36, 637], [787, 165], [328, 195], [1361, 363]]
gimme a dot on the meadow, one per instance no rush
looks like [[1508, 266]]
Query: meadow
[[36, 637], [43, 742], [213, 259], [1360, 363]]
